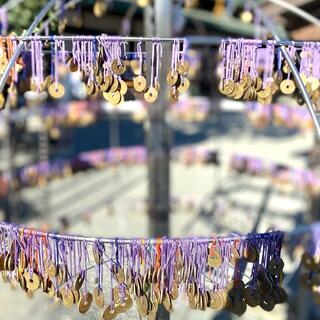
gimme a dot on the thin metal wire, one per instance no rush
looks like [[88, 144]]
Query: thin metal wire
[[299, 12], [18, 51], [28, 231]]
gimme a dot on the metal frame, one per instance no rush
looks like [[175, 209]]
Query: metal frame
[[269, 25], [16, 54]]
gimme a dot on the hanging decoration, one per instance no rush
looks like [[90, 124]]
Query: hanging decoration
[[310, 263], [255, 70], [279, 115], [35, 174], [282, 175], [103, 62], [145, 272]]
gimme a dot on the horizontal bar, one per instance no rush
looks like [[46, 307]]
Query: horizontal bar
[[86, 37], [29, 231], [203, 40]]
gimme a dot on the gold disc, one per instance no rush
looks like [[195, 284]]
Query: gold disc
[[139, 83], [85, 303], [98, 297], [287, 86], [56, 91], [184, 85], [151, 95]]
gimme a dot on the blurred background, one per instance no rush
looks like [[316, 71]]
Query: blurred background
[[53, 177]]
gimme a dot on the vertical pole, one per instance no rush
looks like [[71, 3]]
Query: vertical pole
[[7, 147], [158, 133], [43, 145], [114, 137]]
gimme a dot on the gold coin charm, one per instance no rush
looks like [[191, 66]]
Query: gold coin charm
[[22, 261], [250, 254], [142, 305], [183, 67], [98, 297], [90, 88], [23, 283], [56, 91], [33, 282], [47, 81], [115, 85], [51, 269], [287, 86], [151, 95], [139, 83], [173, 95], [235, 256], [79, 281], [112, 97], [123, 87], [85, 303], [109, 314], [73, 66], [167, 302], [175, 291], [214, 259], [216, 301], [172, 77], [184, 85], [67, 297], [118, 67]]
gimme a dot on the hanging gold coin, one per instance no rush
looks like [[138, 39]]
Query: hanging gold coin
[[151, 95], [123, 87], [109, 314], [113, 97], [33, 282], [287, 86], [183, 67], [118, 67], [73, 66], [139, 83], [172, 77], [56, 91], [85, 303], [184, 85], [98, 297], [67, 297]]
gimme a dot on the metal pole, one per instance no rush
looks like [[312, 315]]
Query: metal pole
[[16, 54], [8, 152], [114, 132], [158, 136], [44, 157], [158, 140]]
